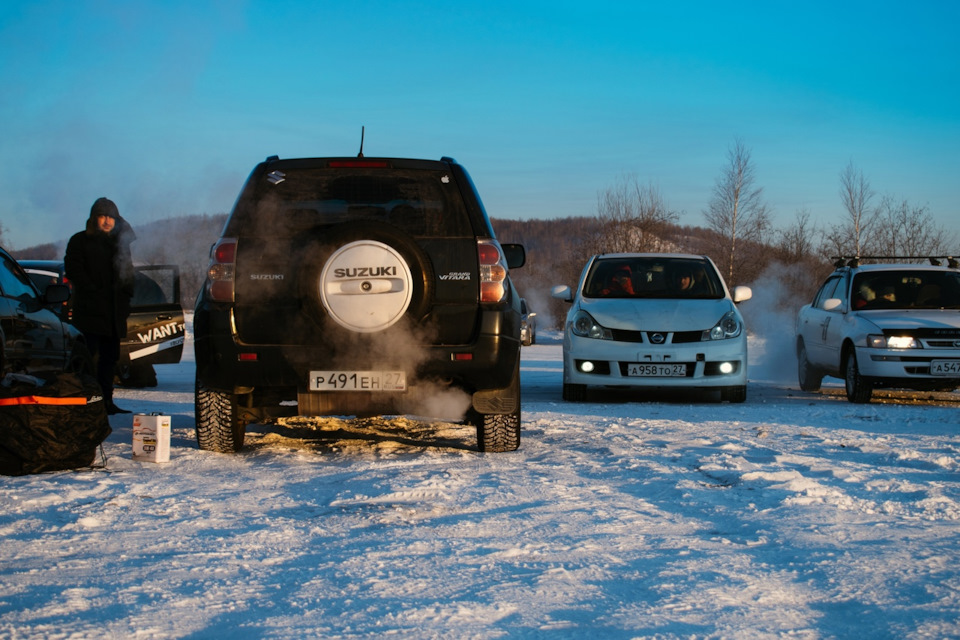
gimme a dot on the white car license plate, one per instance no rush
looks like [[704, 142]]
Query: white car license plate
[[657, 370], [945, 367], [358, 381]]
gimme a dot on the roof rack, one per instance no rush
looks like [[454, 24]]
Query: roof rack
[[854, 261]]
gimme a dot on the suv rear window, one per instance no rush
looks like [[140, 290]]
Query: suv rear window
[[423, 203]]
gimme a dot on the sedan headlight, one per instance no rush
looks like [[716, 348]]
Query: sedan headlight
[[728, 327], [585, 326], [878, 341]]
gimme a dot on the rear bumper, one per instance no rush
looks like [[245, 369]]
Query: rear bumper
[[226, 364]]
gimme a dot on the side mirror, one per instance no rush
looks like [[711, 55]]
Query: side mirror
[[832, 304], [56, 293], [515, 254], [741, 293], [562, 292]]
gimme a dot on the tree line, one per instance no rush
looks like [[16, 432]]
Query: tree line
[[738, 234], [634, 216]]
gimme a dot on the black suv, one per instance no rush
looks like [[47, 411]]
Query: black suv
[[358, 286]]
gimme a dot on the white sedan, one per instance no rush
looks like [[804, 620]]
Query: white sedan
[[883, 325], [654, 320]]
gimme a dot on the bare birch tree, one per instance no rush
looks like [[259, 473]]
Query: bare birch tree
[[795, 244], [856, 194], [901, 229], [633, 217], [739, 216]]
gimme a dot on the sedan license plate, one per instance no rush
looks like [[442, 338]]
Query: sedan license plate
[[945, 367], [657, 370], [358, 381]]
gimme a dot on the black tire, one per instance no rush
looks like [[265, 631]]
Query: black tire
[[859, 389], [136, 376], [574, 392], [500, 432], [809, 377], [317, 252], [218, 427], [733, 394]]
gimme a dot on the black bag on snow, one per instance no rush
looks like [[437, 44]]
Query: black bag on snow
[[50, 423]]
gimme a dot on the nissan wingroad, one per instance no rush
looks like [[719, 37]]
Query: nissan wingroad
[[647, 320], [893, 325]]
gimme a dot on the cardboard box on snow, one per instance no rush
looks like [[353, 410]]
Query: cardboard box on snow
[[151, 437]]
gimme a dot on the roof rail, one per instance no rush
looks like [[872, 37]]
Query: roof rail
[[854, 261]]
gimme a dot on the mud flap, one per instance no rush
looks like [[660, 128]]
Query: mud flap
[[496, 401]]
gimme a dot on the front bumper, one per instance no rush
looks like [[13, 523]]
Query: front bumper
[[611, 359], [906, 367]]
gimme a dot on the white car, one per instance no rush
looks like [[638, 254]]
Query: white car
[[647, 320], [882, 325], [528, 324]]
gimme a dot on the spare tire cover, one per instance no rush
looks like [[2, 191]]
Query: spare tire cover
[[366, 286]]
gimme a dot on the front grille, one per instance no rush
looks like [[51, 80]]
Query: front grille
[[942, 344], [681, 337], [625, 335]]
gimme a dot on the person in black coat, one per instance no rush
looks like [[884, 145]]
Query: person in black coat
[[99, 265]]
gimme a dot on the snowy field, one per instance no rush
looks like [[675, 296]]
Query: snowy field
[[792, 515]]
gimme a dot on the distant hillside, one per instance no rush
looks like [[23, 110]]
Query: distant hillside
[[184, 241], [556, 252]]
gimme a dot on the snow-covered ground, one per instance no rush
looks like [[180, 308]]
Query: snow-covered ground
[[791, 515]]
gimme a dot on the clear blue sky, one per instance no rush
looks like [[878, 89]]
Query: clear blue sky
[[165, 107]]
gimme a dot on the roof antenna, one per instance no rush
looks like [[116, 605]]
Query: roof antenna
[[360, 155]]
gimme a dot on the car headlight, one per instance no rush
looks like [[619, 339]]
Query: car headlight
[[878, 341], [585, 326], [728, 327]]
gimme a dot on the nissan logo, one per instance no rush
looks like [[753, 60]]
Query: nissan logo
[[657, 338]]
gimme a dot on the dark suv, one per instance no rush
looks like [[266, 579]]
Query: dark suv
[[33, 338], [358, 286], [155, 328]]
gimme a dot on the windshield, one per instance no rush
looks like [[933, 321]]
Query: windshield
[[652, 277], [906, 290]]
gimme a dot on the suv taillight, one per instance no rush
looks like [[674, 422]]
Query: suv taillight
[[493, 271], [223, 258]]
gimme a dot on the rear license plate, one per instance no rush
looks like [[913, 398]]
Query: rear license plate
[[357, 381], [945, 367], [657, 370]]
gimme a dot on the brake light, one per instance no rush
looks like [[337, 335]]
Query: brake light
[[493, 271], [220, 273], [225, 252], [358, 164]]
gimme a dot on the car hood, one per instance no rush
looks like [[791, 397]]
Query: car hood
[[650, 314], [914, 319]]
